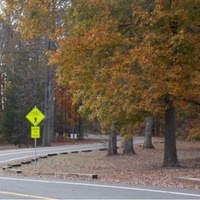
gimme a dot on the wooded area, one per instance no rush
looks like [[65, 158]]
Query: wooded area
[[122, 63]]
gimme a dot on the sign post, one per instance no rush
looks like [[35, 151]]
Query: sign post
[[35, 133], [35, 116]]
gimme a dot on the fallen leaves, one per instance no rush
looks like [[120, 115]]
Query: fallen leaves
[[144, 168]]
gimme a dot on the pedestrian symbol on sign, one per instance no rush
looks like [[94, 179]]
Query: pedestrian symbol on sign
[[35, 120], [35, 116]]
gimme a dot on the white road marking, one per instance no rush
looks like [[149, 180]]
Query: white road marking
[[25, 195], [103, 186]]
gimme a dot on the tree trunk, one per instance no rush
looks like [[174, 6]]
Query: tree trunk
[[80, 128], [49, 100], [128, 145], [170, 154], [49, 108], [148, 133], [112, 143]]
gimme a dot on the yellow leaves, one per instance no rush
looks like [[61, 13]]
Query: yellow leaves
[[169, 60], [194, 124], [35, 17], [118, 67], [195, 79], [119, 77]]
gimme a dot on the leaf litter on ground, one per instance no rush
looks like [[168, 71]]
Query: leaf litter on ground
[[144, 167]]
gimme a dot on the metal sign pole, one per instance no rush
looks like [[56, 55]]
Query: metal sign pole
[[35, 141]]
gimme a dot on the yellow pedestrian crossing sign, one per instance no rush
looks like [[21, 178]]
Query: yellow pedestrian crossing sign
[[35, 116], [35, 132]]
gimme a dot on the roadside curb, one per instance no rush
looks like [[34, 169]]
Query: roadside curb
[[92, 176], [15, 167], [186, 179]]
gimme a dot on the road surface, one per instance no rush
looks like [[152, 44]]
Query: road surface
[[31, 188], [16, 154], [28, 188]]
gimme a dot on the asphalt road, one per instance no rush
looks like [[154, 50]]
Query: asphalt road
[[30, 188], [16, 154]]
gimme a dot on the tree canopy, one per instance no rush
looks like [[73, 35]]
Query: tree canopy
[[121, 60], [122, 57], [126, 60]]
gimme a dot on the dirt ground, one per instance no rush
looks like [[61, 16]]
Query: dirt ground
[[144, 167]]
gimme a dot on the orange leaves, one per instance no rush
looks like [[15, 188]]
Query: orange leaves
[[174, 54], [122, 65], [65, 108], [35, 17]]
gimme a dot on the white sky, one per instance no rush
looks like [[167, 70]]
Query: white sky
[[1, 5]]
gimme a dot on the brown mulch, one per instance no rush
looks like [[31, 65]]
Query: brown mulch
[[144, 167]]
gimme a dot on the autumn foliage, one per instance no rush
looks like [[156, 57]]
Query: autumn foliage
[[67, 117], [122, 65], [123, 60]]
